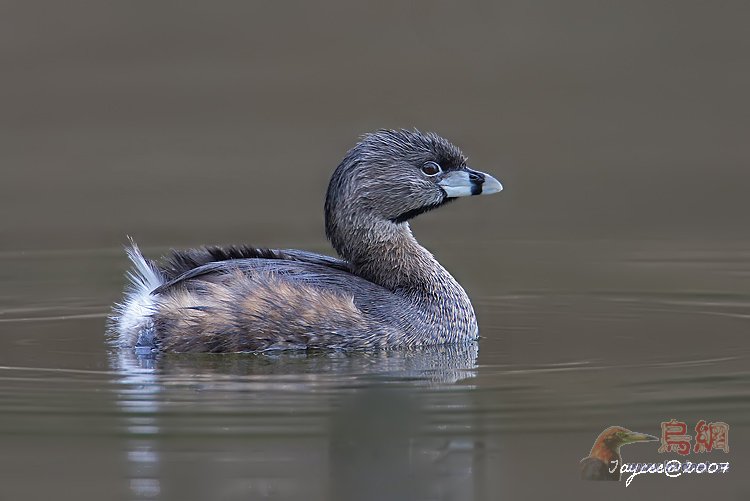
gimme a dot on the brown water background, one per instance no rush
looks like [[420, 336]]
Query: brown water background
[[611, 277]]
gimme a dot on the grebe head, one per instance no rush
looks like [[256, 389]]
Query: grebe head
[[395, 175]]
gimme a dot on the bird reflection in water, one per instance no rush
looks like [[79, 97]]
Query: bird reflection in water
[[296, 424]]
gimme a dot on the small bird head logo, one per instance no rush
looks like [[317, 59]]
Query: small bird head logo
[[604, 460]]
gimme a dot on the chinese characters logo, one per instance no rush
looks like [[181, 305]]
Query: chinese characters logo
[[708, 436]]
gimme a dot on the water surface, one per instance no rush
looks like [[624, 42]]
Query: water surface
[[662, 334]]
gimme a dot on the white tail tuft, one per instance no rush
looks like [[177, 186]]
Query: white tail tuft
[[133, 316]]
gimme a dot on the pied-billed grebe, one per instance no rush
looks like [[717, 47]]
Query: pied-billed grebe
[[386, 291]]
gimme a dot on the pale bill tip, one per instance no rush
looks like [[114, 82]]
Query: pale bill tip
[[491, 185]]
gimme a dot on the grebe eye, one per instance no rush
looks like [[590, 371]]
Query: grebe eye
[[431, 168]]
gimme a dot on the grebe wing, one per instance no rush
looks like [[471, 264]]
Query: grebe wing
[[187, 264]]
